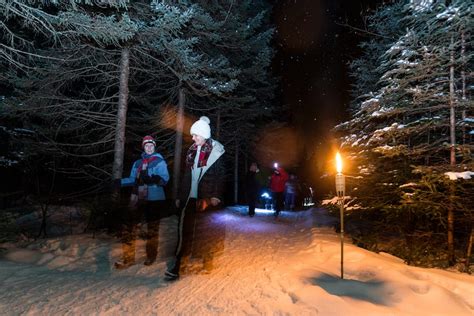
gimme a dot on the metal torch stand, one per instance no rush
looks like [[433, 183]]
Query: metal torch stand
[[340, 188]]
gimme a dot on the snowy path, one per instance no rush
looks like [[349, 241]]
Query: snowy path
[[262, 266]]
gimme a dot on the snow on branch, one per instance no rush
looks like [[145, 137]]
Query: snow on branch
[[421, 5], [349, 203], [459, 175]]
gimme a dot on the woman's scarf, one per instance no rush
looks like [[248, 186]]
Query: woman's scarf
[[203, 154], [145, 162]]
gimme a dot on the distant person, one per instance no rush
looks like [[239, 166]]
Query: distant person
[[203, 179], [277, 186], [252, 188], [148, 176], [291, 188]]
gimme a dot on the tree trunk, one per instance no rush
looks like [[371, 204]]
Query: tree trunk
[[463, 82], [463, 89], [469, 249], [44, 216], [119, 145], [178, 147], [218, 124], [236, 174], [452, 116], [452, 131], [45, 204]]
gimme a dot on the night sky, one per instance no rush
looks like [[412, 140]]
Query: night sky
[[313, 51], [314, 48]]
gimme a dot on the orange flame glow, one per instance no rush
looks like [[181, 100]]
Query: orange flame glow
[[338, 163]]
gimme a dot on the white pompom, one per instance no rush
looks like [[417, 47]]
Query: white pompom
[[205, 119]]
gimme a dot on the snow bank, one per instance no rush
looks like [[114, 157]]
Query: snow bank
[[262, 266]]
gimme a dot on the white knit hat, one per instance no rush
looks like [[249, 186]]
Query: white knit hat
[[201, 127]]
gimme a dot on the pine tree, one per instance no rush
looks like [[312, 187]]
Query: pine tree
[[408, 127]]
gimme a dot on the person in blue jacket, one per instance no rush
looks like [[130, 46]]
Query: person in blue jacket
[[148, 177]]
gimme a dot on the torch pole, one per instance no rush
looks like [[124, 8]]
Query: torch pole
[[341, 211], [340, 189]]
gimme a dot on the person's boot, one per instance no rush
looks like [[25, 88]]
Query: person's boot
[[172, 272], [149, 261], [122, 264], [170, 276]]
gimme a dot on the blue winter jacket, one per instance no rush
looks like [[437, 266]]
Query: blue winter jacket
[[157, 167]]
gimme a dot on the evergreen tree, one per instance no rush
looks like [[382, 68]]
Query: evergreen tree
[[59, 59], [69, 91], [411, 122]]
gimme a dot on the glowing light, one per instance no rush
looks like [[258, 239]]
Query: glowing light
[[266, 195], [263, 211], [275, 165], [338, 163]]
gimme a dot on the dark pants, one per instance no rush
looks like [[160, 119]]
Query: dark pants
[[186, 230], [278, 201], [153, 211], [290, 200], [252, 200]]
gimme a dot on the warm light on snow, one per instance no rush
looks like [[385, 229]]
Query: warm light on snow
[[262, 265], [460, 175]]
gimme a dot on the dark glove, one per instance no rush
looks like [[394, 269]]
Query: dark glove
[[155, 179], [142, 177]]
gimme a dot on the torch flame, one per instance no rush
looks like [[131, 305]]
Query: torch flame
[[338, 163]]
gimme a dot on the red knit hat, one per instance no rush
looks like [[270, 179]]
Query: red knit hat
[[148, 139]]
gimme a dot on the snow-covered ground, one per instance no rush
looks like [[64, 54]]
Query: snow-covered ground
[[262, 265]]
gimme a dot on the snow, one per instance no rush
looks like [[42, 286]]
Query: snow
[[406, 63], [370, 102], [450, 13], [7, 162], [23, 131], [381, 112], [421, 5], [459, 175], [262, 266], [424, 120], [408, 185], [408, 53], [348, 203], [388, 150]]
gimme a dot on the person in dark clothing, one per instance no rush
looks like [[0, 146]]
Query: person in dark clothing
[[277, 186], [291, 189], [203, 179], [251, 186], [148, 177]]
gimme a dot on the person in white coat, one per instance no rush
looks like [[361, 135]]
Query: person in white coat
[[203, 179]]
